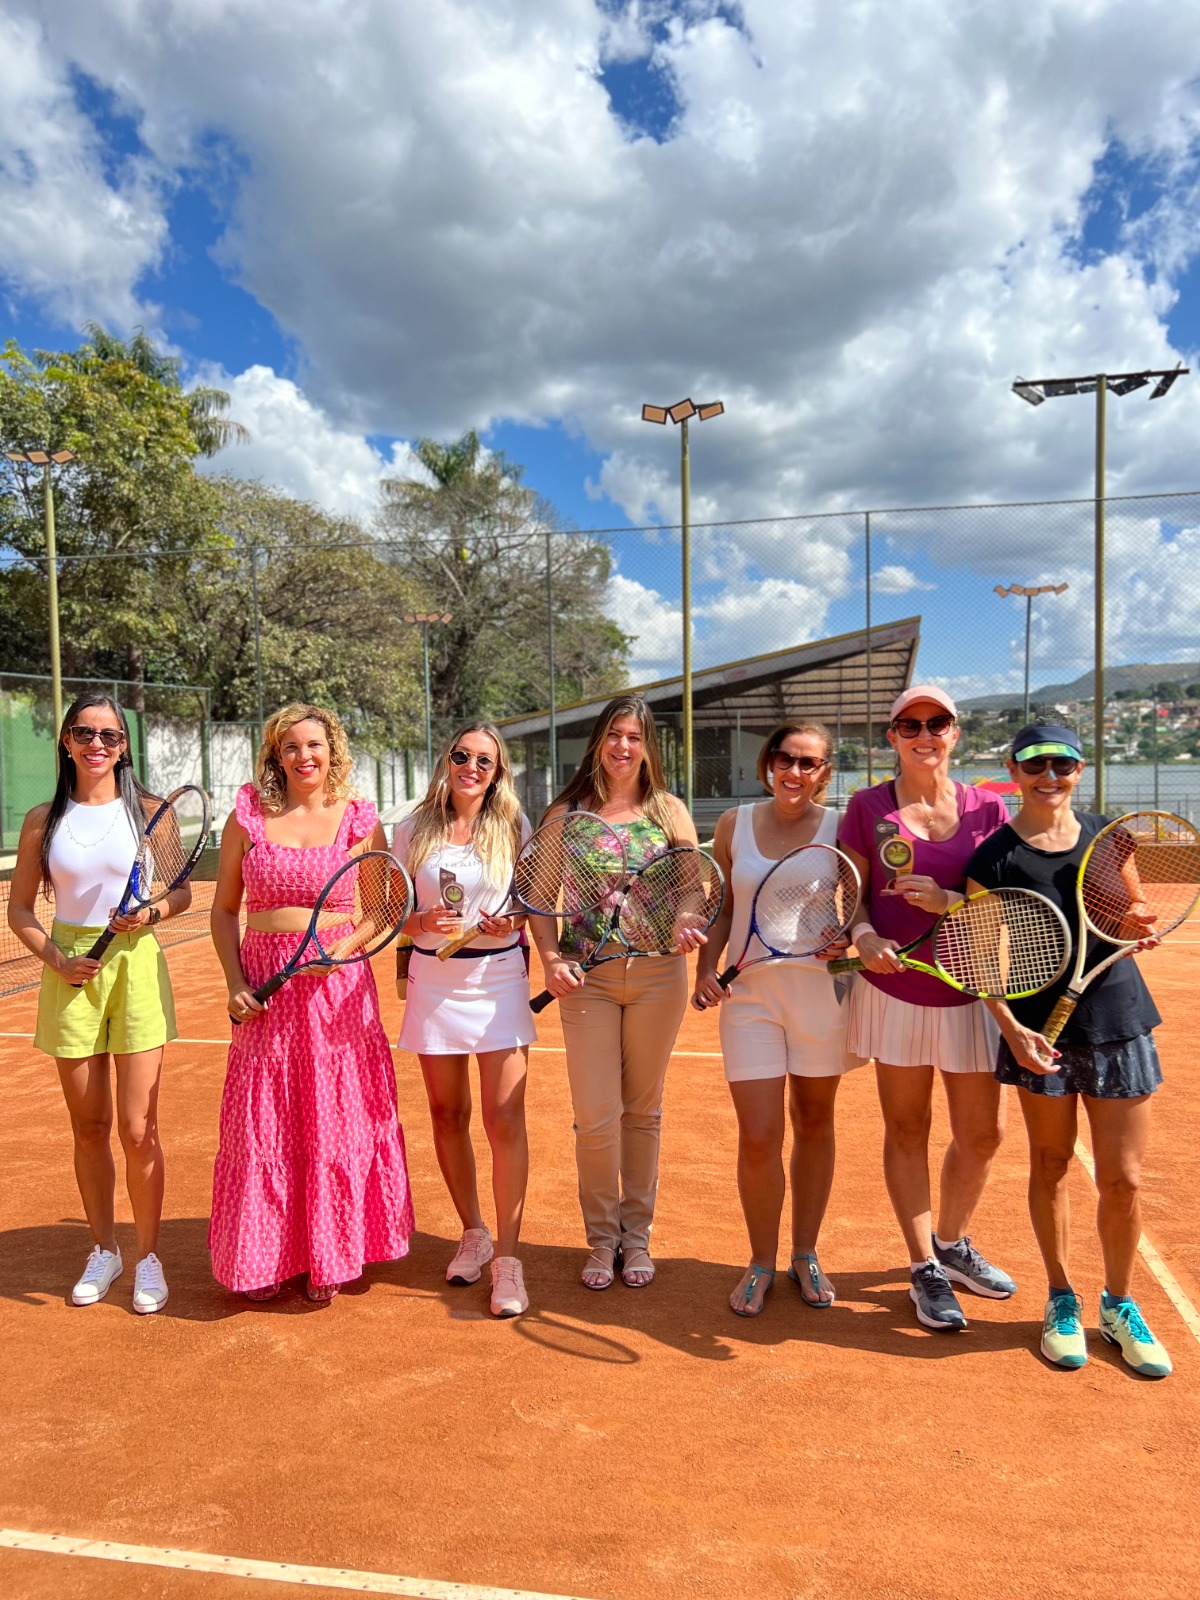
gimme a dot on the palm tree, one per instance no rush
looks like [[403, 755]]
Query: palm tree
[[210, 427]]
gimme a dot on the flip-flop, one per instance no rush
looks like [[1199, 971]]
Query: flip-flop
[[811, 1276]]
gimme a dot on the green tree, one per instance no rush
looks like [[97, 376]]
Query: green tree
[[206, 406], [330, 613], [130, 510], [474, 539]]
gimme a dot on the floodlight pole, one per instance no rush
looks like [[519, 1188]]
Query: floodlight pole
[[680, 413], [1098, 667], [1035, 391], [1029, 596], [424, 618], [48, 460], [685, 516], [553, 728]]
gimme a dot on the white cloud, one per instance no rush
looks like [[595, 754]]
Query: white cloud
[[864, 222], [295, 447], [896, 580]]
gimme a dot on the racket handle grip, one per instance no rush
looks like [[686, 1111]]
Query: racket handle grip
[[456, 941], [726, 978], [845, 964], [1058, 1018], [543, 1000], [272, 986]]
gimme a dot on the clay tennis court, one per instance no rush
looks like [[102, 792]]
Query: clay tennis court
[[606, 1446]]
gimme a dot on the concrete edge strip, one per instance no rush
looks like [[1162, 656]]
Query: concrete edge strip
[[1159, 1270], [264, 1571]]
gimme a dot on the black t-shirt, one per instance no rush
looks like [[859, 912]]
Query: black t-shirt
[[1118, 1005]]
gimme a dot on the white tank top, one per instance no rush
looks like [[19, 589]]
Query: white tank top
[[90, 856], [750, 867]]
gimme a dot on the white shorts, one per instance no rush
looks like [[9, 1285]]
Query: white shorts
[[783, 1017], [456, 1008], [951, 1038]]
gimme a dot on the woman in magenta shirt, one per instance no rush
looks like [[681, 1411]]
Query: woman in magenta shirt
[[912, 1024]]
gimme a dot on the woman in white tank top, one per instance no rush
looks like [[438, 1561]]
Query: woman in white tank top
[[779, 1021], [80, 847]]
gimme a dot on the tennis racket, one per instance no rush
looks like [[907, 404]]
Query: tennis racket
[[174, 840], [358, 913], [1139, 878], [570, 865], [804, 903], [999, 944], [681, 889]]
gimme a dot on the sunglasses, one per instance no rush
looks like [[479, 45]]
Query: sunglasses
[[1063, 766], [782, 762], [910, 727], [110, 738], [482, 763]]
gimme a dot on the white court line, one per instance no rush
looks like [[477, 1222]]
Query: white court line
[[265, 1571], [1166, 1279]]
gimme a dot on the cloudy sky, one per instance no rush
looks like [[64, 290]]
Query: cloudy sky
[[853, 223]]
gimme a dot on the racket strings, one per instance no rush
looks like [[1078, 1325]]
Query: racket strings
[[368, 900], [1150, 867], [1002, 943], [571, 863], [680, 890], [170, 845], [803, 906]]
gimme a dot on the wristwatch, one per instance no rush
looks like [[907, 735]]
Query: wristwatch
[[155, 916]]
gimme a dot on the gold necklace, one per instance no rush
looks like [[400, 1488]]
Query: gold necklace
[[91, 844]]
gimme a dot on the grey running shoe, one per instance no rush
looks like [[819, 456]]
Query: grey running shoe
[[963, 1264], [935, 1301]]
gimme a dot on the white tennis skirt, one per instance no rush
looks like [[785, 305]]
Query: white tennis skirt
[[951, 1038], [457, 1008]]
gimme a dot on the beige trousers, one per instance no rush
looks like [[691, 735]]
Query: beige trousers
[[619, 1029]]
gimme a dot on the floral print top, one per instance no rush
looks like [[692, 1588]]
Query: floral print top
[[643, 840]]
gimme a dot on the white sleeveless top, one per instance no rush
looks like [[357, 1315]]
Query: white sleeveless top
[[461, 863], [90, 856], [750, 867]]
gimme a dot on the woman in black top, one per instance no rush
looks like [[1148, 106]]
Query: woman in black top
[[1106, 1056]]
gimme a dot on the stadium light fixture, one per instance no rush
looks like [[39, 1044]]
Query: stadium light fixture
[[1036, 390], [47, 460], [1029, 596], [681, 412], [423, 620]]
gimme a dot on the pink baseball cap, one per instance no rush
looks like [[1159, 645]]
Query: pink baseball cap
[[921, 691]]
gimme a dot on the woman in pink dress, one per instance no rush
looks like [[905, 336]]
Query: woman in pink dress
[[310, 1173]]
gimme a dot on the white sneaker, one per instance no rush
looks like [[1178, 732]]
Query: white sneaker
[[473, 1254], [102, 1270], [149, 1285], [508, 1288]]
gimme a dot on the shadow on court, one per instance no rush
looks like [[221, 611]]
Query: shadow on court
[[684, 1309]]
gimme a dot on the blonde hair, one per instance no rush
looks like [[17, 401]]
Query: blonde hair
[[774, 742], [496, 834], [589, 786], [269, 777]]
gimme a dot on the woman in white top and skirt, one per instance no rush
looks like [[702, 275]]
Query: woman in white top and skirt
[[460, 844], [81, 846], [779, 1021]]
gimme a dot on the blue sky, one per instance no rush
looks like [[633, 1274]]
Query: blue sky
[[530, 218]]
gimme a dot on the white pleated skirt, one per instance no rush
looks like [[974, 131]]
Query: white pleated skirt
[[455, 1008], [951, 1038]]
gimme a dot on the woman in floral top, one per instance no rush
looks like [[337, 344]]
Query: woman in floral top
[[621, 1020]]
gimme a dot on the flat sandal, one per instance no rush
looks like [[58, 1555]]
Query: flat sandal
[[809, 1277], [757, 1271], [602, 1270]]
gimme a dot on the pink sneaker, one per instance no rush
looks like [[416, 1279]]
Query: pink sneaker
[[508, 1288], [473, 1254]]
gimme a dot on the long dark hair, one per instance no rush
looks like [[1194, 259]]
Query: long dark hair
[[134, 794], [589, 784]]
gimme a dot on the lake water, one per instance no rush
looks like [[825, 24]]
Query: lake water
[[1129, 786]]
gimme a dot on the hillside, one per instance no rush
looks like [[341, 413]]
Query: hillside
[[1138, 675]]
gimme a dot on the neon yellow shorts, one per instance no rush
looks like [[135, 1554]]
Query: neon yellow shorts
[[127, 1007]]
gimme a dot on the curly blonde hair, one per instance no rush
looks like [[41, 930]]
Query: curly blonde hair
[[497, 831], [269, 777]]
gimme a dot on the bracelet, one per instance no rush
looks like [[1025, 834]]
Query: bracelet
[[860, 927]]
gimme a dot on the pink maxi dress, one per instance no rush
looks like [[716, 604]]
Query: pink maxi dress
[[310, 1173]]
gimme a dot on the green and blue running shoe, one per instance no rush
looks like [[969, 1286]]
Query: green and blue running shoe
[[1121, 1324], [1063, 1341]]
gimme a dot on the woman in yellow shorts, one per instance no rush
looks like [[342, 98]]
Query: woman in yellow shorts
[[79, 847]]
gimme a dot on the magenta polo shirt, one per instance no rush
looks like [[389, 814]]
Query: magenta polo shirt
[[980, 813]]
